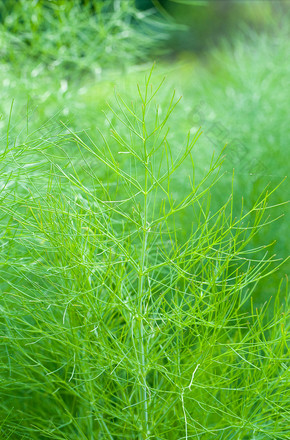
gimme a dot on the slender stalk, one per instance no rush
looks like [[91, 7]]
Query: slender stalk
[[141, 281], [141, 338]]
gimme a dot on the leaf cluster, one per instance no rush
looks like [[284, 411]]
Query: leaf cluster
[[117, 324]]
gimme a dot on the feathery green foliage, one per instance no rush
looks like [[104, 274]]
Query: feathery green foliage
[[76, 38], [119, 322]]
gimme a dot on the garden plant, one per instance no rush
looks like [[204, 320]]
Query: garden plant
[[127, 307], [143, 292]]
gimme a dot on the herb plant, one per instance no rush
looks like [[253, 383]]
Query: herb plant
[[77, 37], [118, 323]]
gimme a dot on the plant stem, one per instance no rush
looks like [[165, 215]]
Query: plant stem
[[142, 351]]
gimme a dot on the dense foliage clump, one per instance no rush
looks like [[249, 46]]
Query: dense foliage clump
[[115, 321], [140, 269]]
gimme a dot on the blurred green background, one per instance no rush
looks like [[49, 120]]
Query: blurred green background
[[60, 61]]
